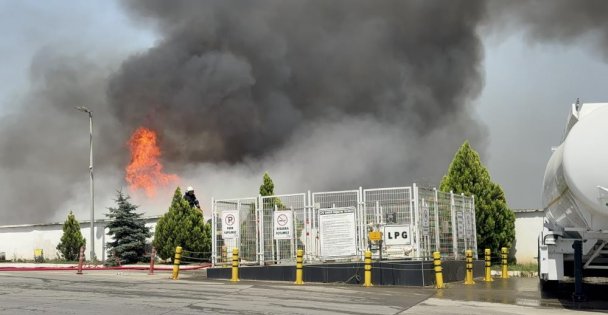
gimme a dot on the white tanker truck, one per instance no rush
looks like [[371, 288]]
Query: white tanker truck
[[575, 200]]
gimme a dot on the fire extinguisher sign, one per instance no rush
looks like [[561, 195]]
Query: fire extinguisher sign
[[397, 235]]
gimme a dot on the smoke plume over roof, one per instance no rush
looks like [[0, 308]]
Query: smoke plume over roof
[[231, 80], [323, 94]]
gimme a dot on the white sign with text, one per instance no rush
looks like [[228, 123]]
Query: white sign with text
[[337, 232], [283, 225], [230, 224], [397, 235]]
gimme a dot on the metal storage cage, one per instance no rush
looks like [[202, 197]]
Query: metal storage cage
[[416, 221]]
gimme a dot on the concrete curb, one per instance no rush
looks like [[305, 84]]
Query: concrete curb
[[64, 267], [512, 273]]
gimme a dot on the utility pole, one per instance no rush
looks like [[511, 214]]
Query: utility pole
[[92, 239]]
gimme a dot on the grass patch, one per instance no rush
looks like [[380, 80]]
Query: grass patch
[[519, 267]]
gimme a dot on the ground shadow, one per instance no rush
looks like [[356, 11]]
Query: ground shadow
[[596, 296]]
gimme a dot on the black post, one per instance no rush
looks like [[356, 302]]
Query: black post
[[578, 295]]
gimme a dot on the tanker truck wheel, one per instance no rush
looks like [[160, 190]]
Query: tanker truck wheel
[[548, 286]]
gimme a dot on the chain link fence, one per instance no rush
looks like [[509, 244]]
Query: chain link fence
[[414, 222]]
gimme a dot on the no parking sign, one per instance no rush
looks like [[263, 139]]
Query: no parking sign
[[230, 224]]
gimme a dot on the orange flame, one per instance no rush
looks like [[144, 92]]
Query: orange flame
[[145, 170]]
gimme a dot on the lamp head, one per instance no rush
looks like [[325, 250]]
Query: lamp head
[[83, 109]]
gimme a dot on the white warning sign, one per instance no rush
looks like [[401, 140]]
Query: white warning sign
[[460, 224], [337, 232], [397, 235], [469, 224], [230, 224], [283, 225], [425, 217]]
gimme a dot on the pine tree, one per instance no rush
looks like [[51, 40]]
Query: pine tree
[[182, 226], [267, 189], [495, 222], [128, 231], [71, 240]]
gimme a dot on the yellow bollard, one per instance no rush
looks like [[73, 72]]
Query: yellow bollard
[[235, 265], [504, 252], [176, 261], [368, 269], [469, 275], [488, 254], [299, 267], [438, 270]]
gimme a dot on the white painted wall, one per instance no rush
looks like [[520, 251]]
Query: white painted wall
[[528, 225], [20, 241]]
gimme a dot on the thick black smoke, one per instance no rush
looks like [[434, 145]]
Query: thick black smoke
[[234, 79], [323, 94]]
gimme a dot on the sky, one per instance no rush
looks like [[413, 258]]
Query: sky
[[525, 103], [28, 26], [526, 94]]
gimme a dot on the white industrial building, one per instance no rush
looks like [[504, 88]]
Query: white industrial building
[[528, 225], [20, 241]]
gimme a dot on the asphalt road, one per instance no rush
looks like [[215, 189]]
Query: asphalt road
[[133, 292]]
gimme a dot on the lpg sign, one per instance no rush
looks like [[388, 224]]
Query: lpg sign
[[397, 235]]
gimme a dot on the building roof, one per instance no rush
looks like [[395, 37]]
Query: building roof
[[527, 210], [83, 223]]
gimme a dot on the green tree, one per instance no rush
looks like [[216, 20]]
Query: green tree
[[128, 232], [71, 240], [267, 189], [182, 226], [495, 222]]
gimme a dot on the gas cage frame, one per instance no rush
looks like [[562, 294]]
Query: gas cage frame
[[437, 221]]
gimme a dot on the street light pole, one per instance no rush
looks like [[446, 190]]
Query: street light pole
[[92, 239]]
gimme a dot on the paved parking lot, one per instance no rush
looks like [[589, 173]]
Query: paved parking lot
[[135, 292]]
